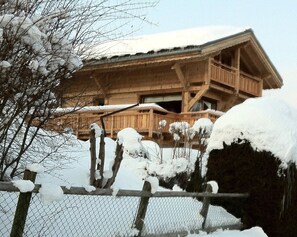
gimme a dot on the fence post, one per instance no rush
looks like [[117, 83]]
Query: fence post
[[205, 205], [93, 156], [22, 208], [139, 220]]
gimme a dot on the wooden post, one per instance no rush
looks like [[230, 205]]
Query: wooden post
[[111, 126], [186, 99], [151, 123], [101, 158], [236, 64], [116, 166], [93, 156], [139, 220], [22, 208], [205, 205]]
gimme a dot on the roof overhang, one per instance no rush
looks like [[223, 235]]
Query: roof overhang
[[192, 53]]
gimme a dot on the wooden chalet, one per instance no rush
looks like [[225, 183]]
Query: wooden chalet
[[182, 82]]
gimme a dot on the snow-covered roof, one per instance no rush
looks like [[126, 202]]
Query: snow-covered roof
[[267, 123], [181, 39]]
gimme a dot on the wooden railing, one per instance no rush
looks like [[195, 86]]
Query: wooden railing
[[145, 121], [223, 74], [226, 75], [250, 84]]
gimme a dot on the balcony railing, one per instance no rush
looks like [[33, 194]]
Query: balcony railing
[[226, 75], [144, 120], [223, 74]]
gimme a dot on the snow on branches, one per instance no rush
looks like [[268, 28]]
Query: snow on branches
[[34, 56]]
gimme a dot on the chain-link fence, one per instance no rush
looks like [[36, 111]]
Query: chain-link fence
[[107, 215]]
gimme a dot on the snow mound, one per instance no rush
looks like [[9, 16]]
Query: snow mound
[[269, 124]]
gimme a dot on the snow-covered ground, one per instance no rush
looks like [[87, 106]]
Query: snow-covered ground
[[268, 123], [130, 176]]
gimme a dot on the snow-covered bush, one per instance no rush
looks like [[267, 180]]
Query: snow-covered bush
[[131, 141]]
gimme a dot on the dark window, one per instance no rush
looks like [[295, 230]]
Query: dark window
[[204, 104], [170, 102], [98, 101]]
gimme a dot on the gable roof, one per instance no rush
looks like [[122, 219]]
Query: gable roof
[[200, 42]]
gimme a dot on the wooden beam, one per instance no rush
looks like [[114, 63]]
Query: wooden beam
[[100, 86], [266, 79], [236, 64], [220, 88], [207, 72], [186, 99], [197, 97], [180, 75]]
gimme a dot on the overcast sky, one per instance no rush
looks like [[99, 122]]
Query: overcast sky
[[274, 23]]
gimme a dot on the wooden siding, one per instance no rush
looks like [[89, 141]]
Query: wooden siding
[[128, 86]]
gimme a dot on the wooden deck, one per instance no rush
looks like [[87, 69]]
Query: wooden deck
[[144, 120]]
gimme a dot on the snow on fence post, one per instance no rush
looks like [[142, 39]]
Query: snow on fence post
[[139, 220], [93, 156], [205, 205], [22, 208]]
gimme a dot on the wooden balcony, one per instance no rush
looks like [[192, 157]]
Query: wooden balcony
[[144, 120], [230, 77]]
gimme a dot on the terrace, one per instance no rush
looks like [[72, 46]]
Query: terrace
[[144, 118]]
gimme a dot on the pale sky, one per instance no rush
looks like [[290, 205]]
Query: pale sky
[[274, 23]]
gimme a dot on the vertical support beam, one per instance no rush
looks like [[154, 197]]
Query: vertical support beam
[[186, 99], [207, 72], [236, 65], [22, 208], [151, 123]]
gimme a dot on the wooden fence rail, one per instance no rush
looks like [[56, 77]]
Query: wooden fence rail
[[9, 187]]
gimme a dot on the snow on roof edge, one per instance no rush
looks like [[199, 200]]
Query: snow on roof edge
[[164, 41]]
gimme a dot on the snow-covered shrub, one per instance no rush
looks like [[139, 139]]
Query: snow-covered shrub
[[131, 141], [185, 137], [253, 149]]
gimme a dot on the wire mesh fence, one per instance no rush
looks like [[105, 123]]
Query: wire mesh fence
[[107, 215]]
